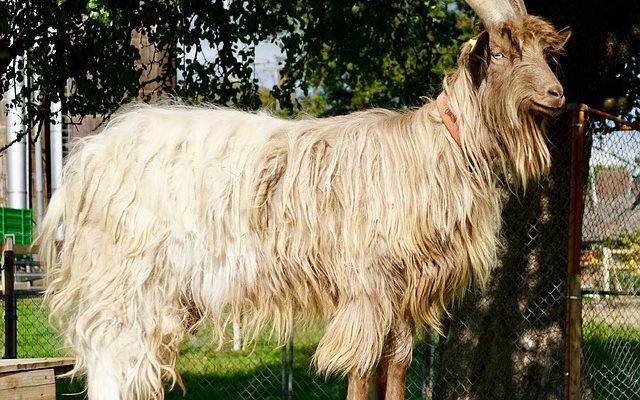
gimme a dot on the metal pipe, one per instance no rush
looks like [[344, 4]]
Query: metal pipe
[[287, 369], [27, 168], [428, 352], [10, 313], [39, 185], [602, 114], [16, 153], [290, 383], [55, 136], [283, 377], [573, 323]]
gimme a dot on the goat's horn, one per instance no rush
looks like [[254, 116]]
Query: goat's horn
[[519, 7], [493, 11]]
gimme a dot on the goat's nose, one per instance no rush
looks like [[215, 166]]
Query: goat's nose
[[556, 91]]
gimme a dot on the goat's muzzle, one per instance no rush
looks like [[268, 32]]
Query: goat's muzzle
[[552, 103]]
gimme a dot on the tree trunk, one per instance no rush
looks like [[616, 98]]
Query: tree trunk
[[507, 342]]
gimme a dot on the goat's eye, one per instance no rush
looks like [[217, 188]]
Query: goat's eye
[[498, 56]]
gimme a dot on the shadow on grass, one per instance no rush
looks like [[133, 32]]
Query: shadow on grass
[[238, 376], [256, 373]]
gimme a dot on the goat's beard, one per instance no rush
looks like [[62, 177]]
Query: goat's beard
[[522, 150]]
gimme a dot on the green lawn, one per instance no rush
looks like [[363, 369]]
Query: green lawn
[[36, 338], [612, 354], [207, 372], [613, 360], [253, 373]]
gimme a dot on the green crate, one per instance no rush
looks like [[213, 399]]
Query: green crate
[[17, 223]]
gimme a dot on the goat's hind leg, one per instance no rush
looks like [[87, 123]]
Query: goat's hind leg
[[104, 377], [128, 346], [123, 364]]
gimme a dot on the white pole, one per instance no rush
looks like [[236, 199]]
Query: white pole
[[237, 336], [38, 161], [16, 153], [56, 147]]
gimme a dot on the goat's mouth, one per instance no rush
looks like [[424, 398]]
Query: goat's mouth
[[547, 110]]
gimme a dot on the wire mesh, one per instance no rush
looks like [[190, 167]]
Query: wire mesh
[[210, 371], [35, 336], [610, 261], [506, 342]]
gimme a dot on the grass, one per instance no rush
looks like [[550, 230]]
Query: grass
[[35, 337], [208, 373], [613, 360], [612, 353], [254, 373]]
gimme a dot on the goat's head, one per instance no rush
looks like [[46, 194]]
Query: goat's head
[[509, 66], [506, 69], [513, 89]]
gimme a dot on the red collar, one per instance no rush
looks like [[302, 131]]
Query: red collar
[[448, 117]]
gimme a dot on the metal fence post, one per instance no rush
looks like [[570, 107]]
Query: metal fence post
[[573, 329], [10, 313], [290, 383], [428, 353], [283, 377], [287, 369]]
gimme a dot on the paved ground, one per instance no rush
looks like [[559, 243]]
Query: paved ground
[[625, 311]]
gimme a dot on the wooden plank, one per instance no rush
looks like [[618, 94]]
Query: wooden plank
[[36, 384], [39, 377], [45, 392], [24, 364]]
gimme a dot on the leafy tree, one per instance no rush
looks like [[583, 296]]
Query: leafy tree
[[358, 54], [217, 48], [76, 52], [601, 64], [86, 53], [95, 55]]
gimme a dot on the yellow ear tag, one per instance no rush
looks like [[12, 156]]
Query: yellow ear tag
[[473, 42]]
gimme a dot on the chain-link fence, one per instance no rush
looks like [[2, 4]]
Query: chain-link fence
[[610, 259], [259, 370], [35, 337], [507, 342]]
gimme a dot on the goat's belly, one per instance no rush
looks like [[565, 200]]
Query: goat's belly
[[223, 278]]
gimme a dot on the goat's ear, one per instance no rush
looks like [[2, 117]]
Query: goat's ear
[[555, 41], [475, 57], [563, 36]]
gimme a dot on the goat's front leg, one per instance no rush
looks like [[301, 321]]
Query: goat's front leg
[[391, 384], [359, 386], [354, 341], [395, 361]]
